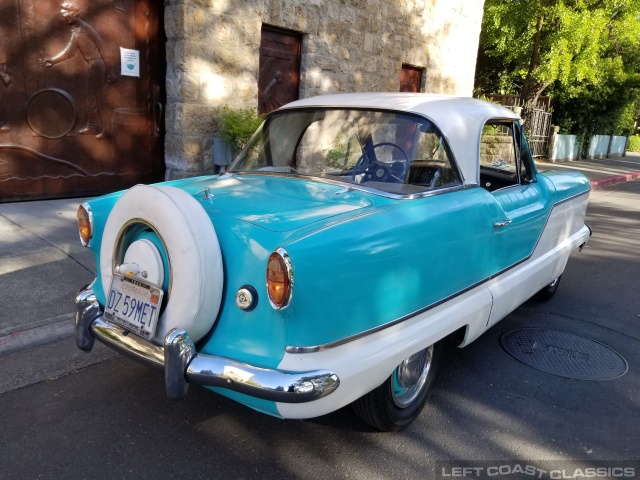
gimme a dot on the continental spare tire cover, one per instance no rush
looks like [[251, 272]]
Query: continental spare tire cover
[[191, 245]]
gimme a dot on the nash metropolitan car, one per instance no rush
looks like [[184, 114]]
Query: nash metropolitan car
[[352, 236]]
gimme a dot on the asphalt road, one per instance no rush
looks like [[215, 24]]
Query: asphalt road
[[111, 420]]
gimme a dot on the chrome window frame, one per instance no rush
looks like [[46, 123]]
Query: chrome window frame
[[517, 130]]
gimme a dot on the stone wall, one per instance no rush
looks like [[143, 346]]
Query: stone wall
[[496, 148], [347, 46]]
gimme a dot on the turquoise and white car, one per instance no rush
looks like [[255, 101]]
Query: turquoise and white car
[[352, 235]]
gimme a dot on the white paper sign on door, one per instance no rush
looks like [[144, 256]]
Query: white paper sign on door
[[130, 62]]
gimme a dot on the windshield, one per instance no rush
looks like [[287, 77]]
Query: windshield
[[393, 152]]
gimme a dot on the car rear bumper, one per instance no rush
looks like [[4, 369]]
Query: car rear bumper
[[182, 365]]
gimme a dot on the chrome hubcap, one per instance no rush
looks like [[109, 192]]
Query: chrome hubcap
[[410, 376]]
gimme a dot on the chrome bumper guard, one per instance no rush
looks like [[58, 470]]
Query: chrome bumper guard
[[183, 365]]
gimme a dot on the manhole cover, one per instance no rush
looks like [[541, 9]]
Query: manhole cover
[[564, 354]]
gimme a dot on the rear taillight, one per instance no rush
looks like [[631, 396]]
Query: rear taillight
[[85, 224], [279, 279]]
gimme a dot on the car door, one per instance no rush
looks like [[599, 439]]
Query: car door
[[520, 210]]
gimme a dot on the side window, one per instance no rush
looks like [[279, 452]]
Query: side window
[[501, 156]]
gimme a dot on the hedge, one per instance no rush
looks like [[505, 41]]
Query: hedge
[[634, 144]]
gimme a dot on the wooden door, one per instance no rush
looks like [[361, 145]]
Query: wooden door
[[75, 122], [410, 78], [279, 67]]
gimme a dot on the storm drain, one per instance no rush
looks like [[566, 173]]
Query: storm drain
[[564, 354]]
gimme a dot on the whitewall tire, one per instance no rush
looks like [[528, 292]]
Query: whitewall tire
[[400, 399], [548, 291], [189, 239]]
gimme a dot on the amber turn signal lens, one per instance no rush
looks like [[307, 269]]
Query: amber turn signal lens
[[85, 224], [279, 277]]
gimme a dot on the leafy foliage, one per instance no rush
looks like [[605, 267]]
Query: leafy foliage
[[238, 125], [585, 53], [634, 144]]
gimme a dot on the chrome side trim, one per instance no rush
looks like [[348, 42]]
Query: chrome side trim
[[568, 199], [384, 326], [183, 365]]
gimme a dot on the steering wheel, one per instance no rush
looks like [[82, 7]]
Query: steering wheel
[[374, 170], [435, 179]]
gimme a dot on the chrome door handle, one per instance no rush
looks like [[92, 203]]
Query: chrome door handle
[[501, 224]]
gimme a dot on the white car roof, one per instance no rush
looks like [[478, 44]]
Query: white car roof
[[459, 118]]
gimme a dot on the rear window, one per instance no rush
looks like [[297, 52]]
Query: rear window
[[389, 151]]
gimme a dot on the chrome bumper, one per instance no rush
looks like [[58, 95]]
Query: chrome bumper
[[183, 365]]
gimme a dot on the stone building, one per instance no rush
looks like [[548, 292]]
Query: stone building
[[139, 103], [263, 53]]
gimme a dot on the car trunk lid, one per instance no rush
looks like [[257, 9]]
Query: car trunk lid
[[276, 203]]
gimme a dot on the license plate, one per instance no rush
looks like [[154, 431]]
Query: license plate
[[134, 304]]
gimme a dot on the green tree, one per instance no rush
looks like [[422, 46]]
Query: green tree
[[577, 49]]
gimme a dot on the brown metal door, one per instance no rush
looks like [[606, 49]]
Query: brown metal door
[[279, 68], [410, 78], [73, 120]]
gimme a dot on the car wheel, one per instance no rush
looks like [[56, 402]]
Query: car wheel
[[152, 225], [400, 399], [549, 291]]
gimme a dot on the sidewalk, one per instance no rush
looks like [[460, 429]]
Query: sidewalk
[[42, 264], [602, 172]]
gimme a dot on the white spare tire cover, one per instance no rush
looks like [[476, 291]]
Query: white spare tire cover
[[190, 241]]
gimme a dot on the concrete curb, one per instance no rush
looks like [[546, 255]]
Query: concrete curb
[[613, 180], [62, 327]]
